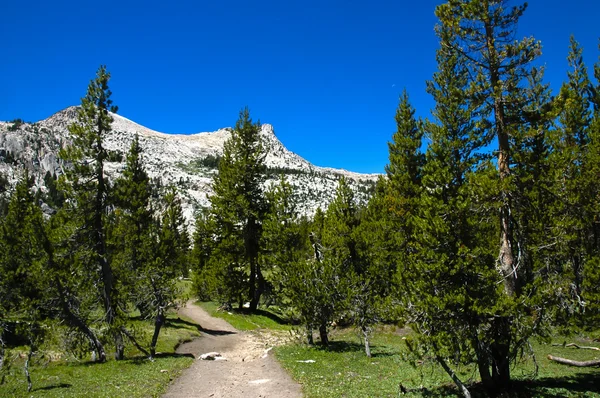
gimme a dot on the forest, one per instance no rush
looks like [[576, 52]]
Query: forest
[[482, 235]]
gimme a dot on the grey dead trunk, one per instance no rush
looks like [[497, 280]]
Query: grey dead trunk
[[365, 332], [463, 389], [27, 374]]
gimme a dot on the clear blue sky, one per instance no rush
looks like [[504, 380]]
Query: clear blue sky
[[326, 74]]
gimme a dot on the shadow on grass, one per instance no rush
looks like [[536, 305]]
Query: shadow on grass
[[53, 387], [345, 346], [578, 385], [267, 314], [179, 323], [551, 387]]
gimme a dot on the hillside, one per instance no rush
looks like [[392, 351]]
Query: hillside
[[187, 161]]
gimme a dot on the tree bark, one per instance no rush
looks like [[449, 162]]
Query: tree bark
[[74, 321], [27, 374], [365, 332], [463, 389], [135, 343], [500, 353], [309, 335], [158, 324], [323, 334], [583, 364]]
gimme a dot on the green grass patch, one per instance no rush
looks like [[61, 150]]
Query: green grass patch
[[245, 319], [135, 376], [343, 370]]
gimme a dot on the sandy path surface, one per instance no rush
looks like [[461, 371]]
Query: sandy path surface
[[249, 369]]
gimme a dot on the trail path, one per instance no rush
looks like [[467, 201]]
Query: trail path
[[249, 371]]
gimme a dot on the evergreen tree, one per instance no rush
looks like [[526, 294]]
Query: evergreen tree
[[159, 277], [89, 195], [481, 33], [372, 282], [282, 239], [22, 266], [131, 236], [203, 240], [572, 188], [404, 174], [238, 208]]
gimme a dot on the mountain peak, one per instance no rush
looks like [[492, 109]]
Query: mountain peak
[[186, 161]]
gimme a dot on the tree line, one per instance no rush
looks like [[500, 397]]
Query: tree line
[[481, 240], [110, 249]]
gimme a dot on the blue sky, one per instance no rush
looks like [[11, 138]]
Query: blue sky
[[326, 74]]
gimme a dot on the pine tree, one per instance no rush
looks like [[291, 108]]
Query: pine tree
[[203, 278], [131, 236], [282, 239], [160, 276], [238, 208], [22, 266], [573, 189], [443, 285], [372, 282], [88, 191], [482, 34], [404, 174]]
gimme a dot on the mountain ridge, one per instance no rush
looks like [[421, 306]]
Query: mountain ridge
[[178, 159]]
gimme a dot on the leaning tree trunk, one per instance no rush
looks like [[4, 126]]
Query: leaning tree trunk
[[159, 321], [76, 322]]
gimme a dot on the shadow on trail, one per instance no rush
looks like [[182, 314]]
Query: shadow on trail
[[182, 324]]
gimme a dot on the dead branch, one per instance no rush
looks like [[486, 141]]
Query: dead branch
[[583, 347]]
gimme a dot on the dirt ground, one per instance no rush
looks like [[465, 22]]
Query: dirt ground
[[249, 369]]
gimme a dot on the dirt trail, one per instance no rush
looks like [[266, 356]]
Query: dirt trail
[[249, 369]]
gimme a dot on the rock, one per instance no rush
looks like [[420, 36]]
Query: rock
[[212, 356]]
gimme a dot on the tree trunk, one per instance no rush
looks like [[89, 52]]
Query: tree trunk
[[323, 334], [463, 389], [365, 332], [500, 352], [108, 283], [505, 257], [158, 324], [253, 300], [2, 355], [483, 365], [27, 374], [74, 321], [309, 335]]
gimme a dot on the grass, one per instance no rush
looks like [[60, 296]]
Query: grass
[[345, 371], [246, 320], [134, 377]]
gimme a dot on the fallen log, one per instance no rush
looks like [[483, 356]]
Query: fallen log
[[570, 362], [583, 347]]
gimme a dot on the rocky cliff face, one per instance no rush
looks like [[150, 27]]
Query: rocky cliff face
[[186, 161]]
